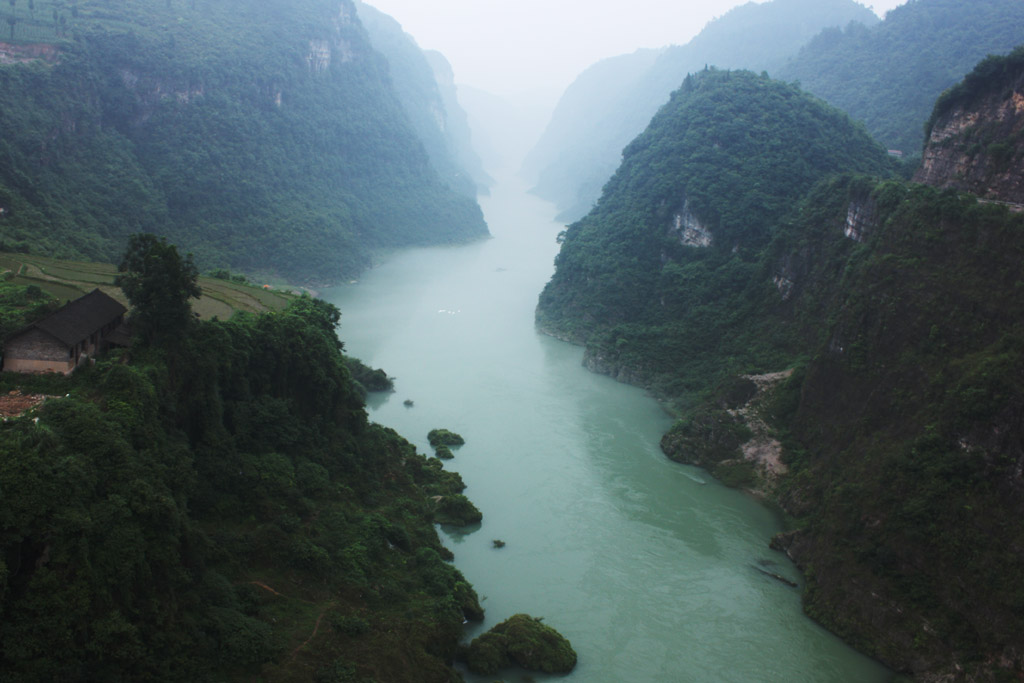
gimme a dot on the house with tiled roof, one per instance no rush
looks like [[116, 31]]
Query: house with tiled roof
[[64, 339]]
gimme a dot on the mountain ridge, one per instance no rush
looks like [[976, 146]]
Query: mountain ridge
[[889, 75], [750, 36], [283, 135], [425, 85]]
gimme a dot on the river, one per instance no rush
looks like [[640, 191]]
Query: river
[[647, 566]]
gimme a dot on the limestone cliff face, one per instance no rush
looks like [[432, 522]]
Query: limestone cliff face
[[977, 145], [152, 84], [689, 230], [339, 47], [860, 219]]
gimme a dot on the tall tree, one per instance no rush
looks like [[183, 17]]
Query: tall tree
[[158, 283]]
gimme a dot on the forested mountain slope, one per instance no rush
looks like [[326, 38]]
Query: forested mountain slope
[[889, 318], [437, 118], [905, 438], [654, 279], [218, 507], [592, 124], [888, 75], [262, 136]]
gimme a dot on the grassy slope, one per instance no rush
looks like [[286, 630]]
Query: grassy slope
[[71, 279]]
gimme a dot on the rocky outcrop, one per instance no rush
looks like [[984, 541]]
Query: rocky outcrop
[[860, 219], [977, 143], [688, 229], [730, 437], [319, 57], [323, 52], [604, 362]]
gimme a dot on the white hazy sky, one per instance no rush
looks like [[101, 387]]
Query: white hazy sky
[[509, 47]]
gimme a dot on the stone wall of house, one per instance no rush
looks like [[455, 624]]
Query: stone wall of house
[[24, 365], [36, 351]]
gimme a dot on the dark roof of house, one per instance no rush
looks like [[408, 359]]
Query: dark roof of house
[[80, 318]]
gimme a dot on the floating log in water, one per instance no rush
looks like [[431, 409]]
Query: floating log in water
[[775, 576]]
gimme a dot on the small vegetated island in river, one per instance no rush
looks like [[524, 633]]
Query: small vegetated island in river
[[212, 503], [850, 345], [444, 437], [521, 640]]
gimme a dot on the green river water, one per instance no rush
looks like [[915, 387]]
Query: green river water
[[647, 566]]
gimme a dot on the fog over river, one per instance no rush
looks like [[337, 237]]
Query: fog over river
[[647, 566]]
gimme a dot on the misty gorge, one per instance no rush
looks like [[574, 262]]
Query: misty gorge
[[386, 341]]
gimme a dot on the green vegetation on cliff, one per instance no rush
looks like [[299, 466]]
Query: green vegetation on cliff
[[265, 137], [888, 75], [975, 133], [903, 430], [898, 309], [524, 641], [613, 101], [992, 75], [220, 508], [659, 280]]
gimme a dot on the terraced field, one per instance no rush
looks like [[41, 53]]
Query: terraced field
[[72, 279]]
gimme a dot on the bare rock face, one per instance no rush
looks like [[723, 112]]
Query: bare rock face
[[688, 229], [322, 52], [860, 219], [977, 145]]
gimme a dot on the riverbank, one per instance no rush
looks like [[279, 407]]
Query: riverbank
[[625, 552]]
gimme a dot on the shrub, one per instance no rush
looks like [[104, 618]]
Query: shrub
[[349, 625], [443, 437], [457, 510], [522, 640]]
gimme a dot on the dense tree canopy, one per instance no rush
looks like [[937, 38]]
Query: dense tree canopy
[[889, 75], [897, 308], [613, 101], [731, 151], [222, 510], [20, 305], [159, 285], [265, 137]]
